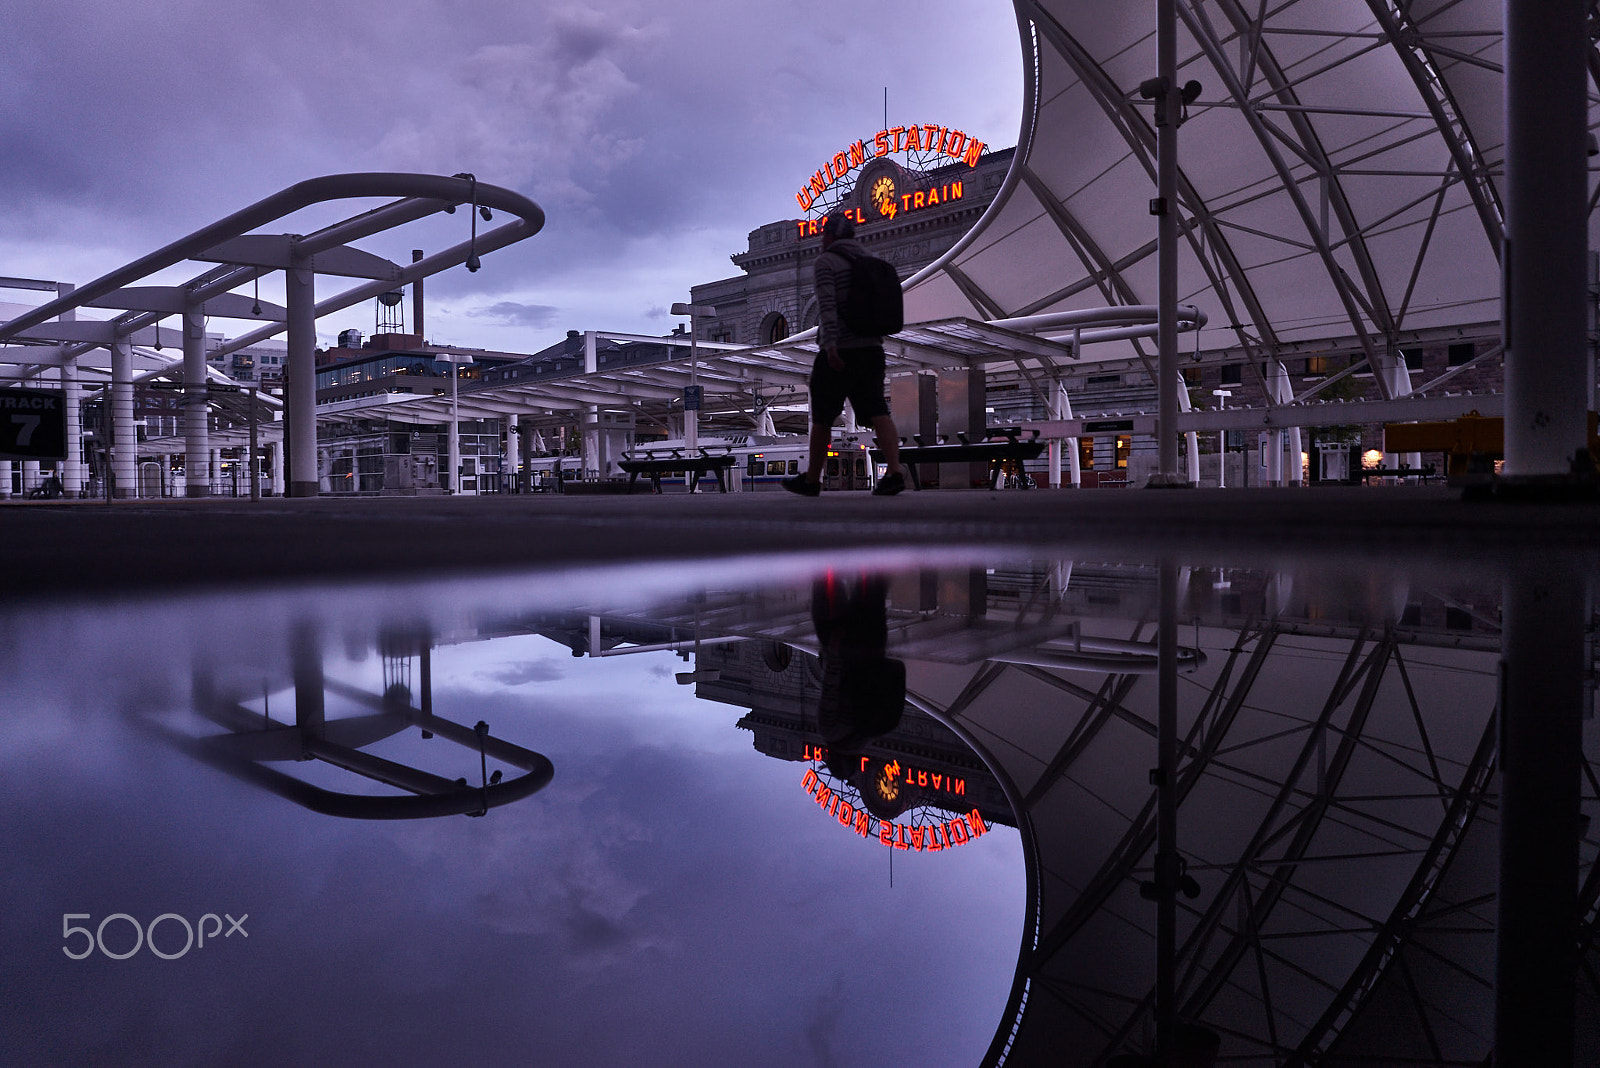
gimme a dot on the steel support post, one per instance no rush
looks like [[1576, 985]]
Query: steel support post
[[124, 435], [510, 461], [591, 441], [1168, 866], [1061, 408], [454, 483], [1279, 392], [1074, 452], [310, 709], [1191, 440], [1167, 109], [300, 394], [254, 466], [72, 468], [1053, 450], [691, 416], [1400, 386], [1541, 734], [196, 405], [425, 681], [1543, 259], [277, 467]]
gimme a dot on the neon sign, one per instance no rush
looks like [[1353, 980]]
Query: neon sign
[[929, 839], [926, 138], [891, 775], [888, 202]]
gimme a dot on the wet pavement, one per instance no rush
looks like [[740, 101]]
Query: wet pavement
[[97, 547], [752, 779]]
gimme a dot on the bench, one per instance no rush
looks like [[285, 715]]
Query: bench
[[654, 467], [997, 447], [1425, 472]]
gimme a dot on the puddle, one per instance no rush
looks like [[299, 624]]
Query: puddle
[[763, 810]]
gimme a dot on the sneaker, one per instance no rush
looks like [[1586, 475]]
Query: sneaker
[[802, 485], [889, 485]]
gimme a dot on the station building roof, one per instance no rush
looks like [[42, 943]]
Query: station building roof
[[1339, 191], [1340, 174]]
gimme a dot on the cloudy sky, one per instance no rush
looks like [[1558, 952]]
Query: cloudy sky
[[654, 136], [672, 897]]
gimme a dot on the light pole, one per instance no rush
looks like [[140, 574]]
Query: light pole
[[691, 395], [455, 360], [1222, 396], [1171, 100]]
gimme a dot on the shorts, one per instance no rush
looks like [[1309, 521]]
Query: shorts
[[861, 382]]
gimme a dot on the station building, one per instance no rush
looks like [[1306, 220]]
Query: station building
[[912, 213], [905, 214], [387, 453]]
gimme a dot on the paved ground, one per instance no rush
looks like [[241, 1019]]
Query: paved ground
[[83, 546]]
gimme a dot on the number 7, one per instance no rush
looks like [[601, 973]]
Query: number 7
[[29, 424]]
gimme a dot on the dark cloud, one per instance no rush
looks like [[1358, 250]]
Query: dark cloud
[[510, 313], [528, 672], [655, 138]]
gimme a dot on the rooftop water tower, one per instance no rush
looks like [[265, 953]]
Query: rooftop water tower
[[388, 314]]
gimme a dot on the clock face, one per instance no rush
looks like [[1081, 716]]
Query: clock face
[[878, 189], [883, 782], [884, 197]]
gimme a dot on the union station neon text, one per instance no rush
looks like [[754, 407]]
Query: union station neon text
[[931, 838], [916, 201], [926, 138], [918, 777]]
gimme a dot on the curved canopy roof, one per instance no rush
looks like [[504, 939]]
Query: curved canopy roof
[[1338, 174]]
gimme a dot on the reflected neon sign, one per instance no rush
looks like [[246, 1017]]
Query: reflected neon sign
[[927, 839], [892, 774]]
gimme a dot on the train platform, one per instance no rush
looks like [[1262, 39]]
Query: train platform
[[87, 548]]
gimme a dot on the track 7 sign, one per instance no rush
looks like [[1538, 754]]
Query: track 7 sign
[[33, 424]]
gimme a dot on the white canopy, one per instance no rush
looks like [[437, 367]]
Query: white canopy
[[1337, 175]]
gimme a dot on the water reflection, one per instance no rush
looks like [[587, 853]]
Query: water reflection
[[863, 689], [1331, 793], [252, 740], [1205, 813]]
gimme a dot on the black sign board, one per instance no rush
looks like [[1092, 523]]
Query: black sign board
[[33, 424], [691, 398], [1107, 426]]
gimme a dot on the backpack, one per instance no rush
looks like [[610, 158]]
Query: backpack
[[876, 307]]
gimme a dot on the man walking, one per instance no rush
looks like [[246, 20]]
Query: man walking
[[848, 366]]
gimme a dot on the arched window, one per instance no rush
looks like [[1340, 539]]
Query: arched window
[[775, 329]]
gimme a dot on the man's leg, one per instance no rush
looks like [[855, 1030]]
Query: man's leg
[[888, 441], [821, 438]]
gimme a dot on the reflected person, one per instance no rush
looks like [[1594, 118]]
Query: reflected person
[[863, 690]]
